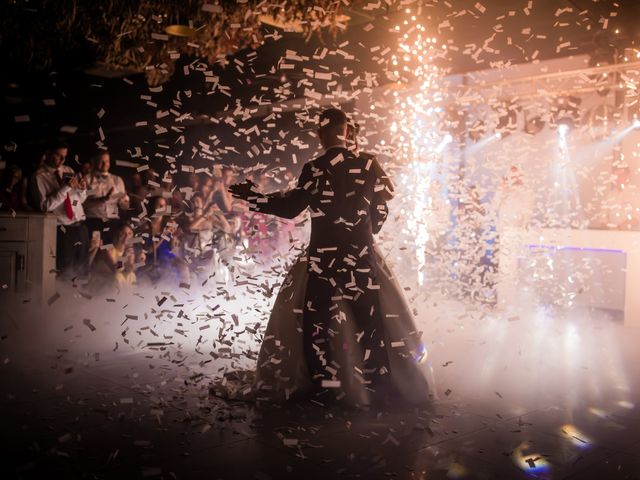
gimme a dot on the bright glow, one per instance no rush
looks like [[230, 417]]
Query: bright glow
[[418, 144], [563, 129], [415, 132], [422, 354], [576, 437], [598, 412], [530, 462], [446, 140], [636, 123], [457, 470]]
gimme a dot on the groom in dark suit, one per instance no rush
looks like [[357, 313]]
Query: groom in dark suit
[[346, 195]]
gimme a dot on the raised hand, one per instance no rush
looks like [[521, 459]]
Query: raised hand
[[77, 183], [242, 190]]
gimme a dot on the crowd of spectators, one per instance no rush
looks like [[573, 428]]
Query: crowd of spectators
[[113, 233]]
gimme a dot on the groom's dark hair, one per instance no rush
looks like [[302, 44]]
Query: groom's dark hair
[[333, 120]]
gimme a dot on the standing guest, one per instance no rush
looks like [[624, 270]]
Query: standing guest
[[13, 195], [204, 231], [105, 197], [220, 195], [57, 189], [86, 169]]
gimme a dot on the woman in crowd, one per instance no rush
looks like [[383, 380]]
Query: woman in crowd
[[114, 267], [162, 237]]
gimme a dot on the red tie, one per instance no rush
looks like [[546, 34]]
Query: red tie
[[68, 207]]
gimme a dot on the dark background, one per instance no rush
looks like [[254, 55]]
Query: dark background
[[80, 88]]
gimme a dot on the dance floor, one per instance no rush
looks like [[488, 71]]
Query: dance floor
[[532, 395]]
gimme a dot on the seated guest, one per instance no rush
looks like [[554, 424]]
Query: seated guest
[[164, 244], [13, 195], [105, 197], [57, 189], [115, 266]]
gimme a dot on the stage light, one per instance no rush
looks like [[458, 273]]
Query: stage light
[[179, 30], [533, 125], [498, 135], [575, 436], [446, 140], [563, 129], [636, 123]]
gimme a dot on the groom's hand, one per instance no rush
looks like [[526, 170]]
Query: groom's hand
[[242, 190]]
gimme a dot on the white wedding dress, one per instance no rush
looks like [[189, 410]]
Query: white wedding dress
[[281, 372]]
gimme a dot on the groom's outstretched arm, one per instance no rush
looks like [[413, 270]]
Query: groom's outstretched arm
[[285, 204]]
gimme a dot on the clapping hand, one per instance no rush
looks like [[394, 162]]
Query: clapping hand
[[75, 182], [78, 182], [242, 190]]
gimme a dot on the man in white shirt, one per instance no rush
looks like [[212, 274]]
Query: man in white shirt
[[57, 189], [106, 195]]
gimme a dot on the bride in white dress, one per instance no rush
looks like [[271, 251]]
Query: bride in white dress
[[282, 370]]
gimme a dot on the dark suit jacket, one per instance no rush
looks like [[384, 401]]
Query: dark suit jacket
[[346, 195]]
